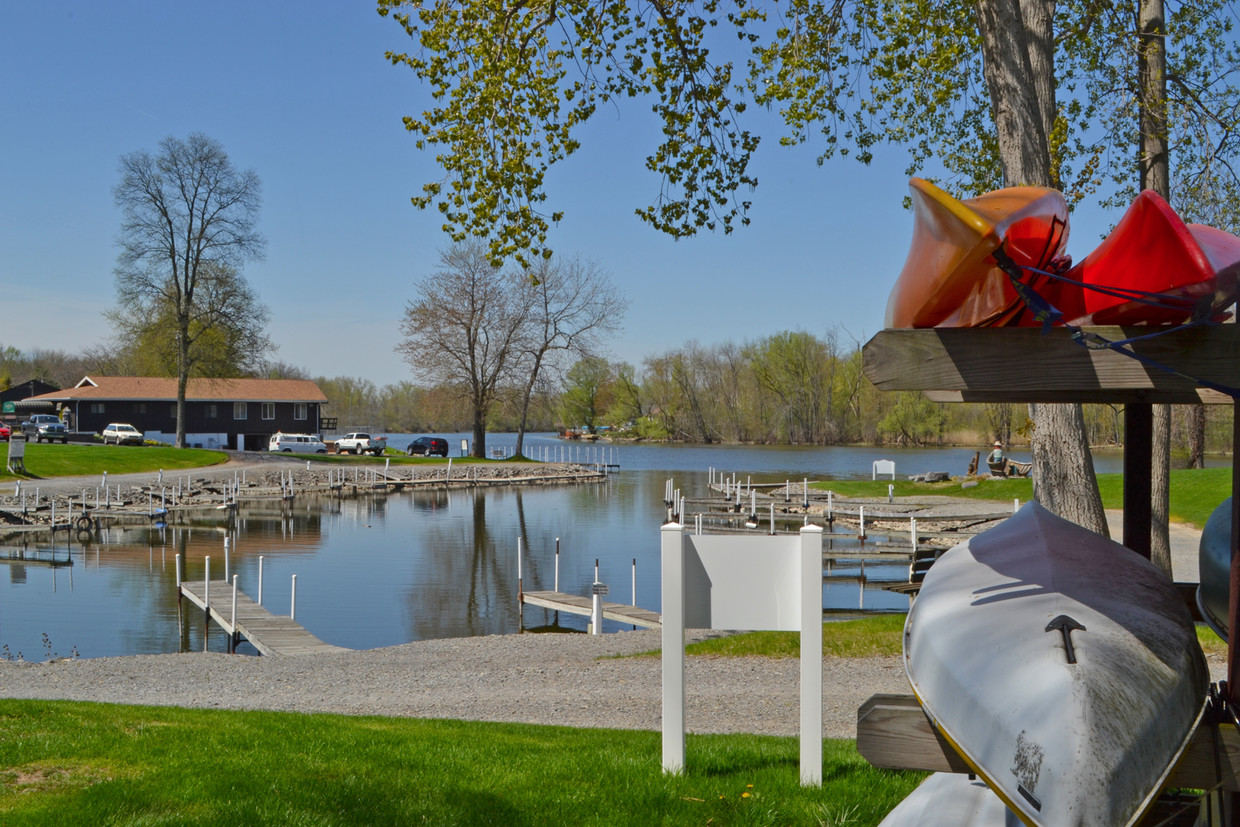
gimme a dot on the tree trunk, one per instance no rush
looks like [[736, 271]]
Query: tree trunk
[[525, 404], [1014, 60], [479, 448], [1155, 175], [1196, 436], [182, 380]]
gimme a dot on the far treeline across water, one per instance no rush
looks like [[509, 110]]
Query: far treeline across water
[[789, 388]]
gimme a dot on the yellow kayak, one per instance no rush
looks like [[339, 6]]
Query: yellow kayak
[[951, 278]]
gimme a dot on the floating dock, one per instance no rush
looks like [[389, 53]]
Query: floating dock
[[577, 605], [270, 634]]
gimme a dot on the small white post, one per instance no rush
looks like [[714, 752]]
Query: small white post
[[634, 581], [206, 600], [830, 504], [520, 584], [387, 463], [557, 564], [772, 518], [160, 479], [787, 490], [178, 556], [308, 465], [233, 622], [292, 608], [805, 493], [912, 521], [891, 493], [448, 473], [753, 504], [260, 579], [105, 479], [596, 607], [1016, 505], [861, 517], [227, 560]]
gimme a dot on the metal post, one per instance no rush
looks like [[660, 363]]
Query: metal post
[[232, 634], [260, 579], [227, 560], [206, 600], [634, 581], [891, 493], [557, 564], [520, 585], [292, 610], [861, 517], [912, 521]]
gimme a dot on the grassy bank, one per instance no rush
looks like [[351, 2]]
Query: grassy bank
[[44, 460], [146, 765], [1194, 493]]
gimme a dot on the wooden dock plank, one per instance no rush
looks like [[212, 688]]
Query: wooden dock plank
[[578, 605], [270, 634]]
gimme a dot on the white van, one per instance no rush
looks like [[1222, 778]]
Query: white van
[[296, 444]]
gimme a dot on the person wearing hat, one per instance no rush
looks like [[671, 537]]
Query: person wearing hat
[[996, 456]]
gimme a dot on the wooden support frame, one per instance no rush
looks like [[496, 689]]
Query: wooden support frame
[[1031, 365]]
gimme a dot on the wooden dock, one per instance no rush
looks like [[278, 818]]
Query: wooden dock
[[578, 605], [269, 634]]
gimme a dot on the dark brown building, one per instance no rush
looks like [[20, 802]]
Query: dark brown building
[[220, 413]]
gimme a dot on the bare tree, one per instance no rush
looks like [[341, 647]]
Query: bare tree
[[571, 303], [466, 328], [186, 212]]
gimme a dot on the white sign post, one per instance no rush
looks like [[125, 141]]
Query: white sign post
[[17, 455], [742, 582]]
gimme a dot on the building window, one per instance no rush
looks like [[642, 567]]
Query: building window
[[299, 410], [269, 410], [96, 407], [172, 410], [212, 411], [239, 411], [141, 407]]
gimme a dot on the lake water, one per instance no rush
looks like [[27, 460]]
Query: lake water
[[378, 570]]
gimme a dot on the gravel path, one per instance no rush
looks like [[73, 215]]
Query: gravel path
[[540, 679]]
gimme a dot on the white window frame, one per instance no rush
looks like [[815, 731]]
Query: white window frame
[[268, 410], [299, 410], [240, 411]]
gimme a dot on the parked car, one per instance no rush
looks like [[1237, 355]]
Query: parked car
[[5, 433], [122, 433], [45, 426], [356, 443], [428, 446], [296, 444]]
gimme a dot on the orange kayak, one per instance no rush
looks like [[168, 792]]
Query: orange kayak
[[951, 279], [1152, 250]]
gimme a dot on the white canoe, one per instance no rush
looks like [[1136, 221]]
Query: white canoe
[[947, 799], [1214, 570], [1063, 668]]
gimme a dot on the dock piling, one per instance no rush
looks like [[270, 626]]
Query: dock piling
[[292, 608], [260, 579]]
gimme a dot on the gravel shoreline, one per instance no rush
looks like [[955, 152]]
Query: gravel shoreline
[[567, 680]]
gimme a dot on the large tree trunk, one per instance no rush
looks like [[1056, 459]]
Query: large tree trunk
[[1019, 72], [1156, 175], [182, 379], [1196, 436]]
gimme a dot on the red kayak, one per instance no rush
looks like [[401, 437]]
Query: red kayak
[[1152, 251]]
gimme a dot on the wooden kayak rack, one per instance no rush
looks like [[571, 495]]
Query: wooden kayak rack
[[1028, 365]]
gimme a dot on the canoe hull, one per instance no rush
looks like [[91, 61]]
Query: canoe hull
[[1152, 250], [951, 800], [1214, 569], [950, 278], [987, 653]]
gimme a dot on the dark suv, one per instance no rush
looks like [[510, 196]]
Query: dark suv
[[428, 446]]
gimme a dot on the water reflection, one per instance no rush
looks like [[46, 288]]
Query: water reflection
[[373, 569]]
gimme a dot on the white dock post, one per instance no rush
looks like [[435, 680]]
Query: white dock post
[[913, 531], [447, 474], [861, 518], [673, 637], [260, 579], [53, 513], [805, 495], [520, 585], [292, 609], [891, 493], [772, 518], [830, 505], [178, 557], [596, 606], [634, 581], [227, 560], [206, 601], [557, 564], [753, 504], [232, 632], [1016, 505]]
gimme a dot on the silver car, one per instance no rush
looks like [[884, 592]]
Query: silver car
[[45, 427], [122, 433]]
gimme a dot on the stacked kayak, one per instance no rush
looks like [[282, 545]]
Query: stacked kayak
[[1061, 666], [1214, 569], [1152, 268]]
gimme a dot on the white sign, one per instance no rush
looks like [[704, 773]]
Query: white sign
[[17, 451], [598, 588], [742, 582]]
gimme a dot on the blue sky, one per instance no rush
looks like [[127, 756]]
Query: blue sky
[[301, 94]]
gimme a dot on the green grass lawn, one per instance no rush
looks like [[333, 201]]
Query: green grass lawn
[[45, 460], [1194, 492], [83, 763]]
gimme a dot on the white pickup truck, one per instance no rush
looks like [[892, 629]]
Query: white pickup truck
[[361, 444]]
